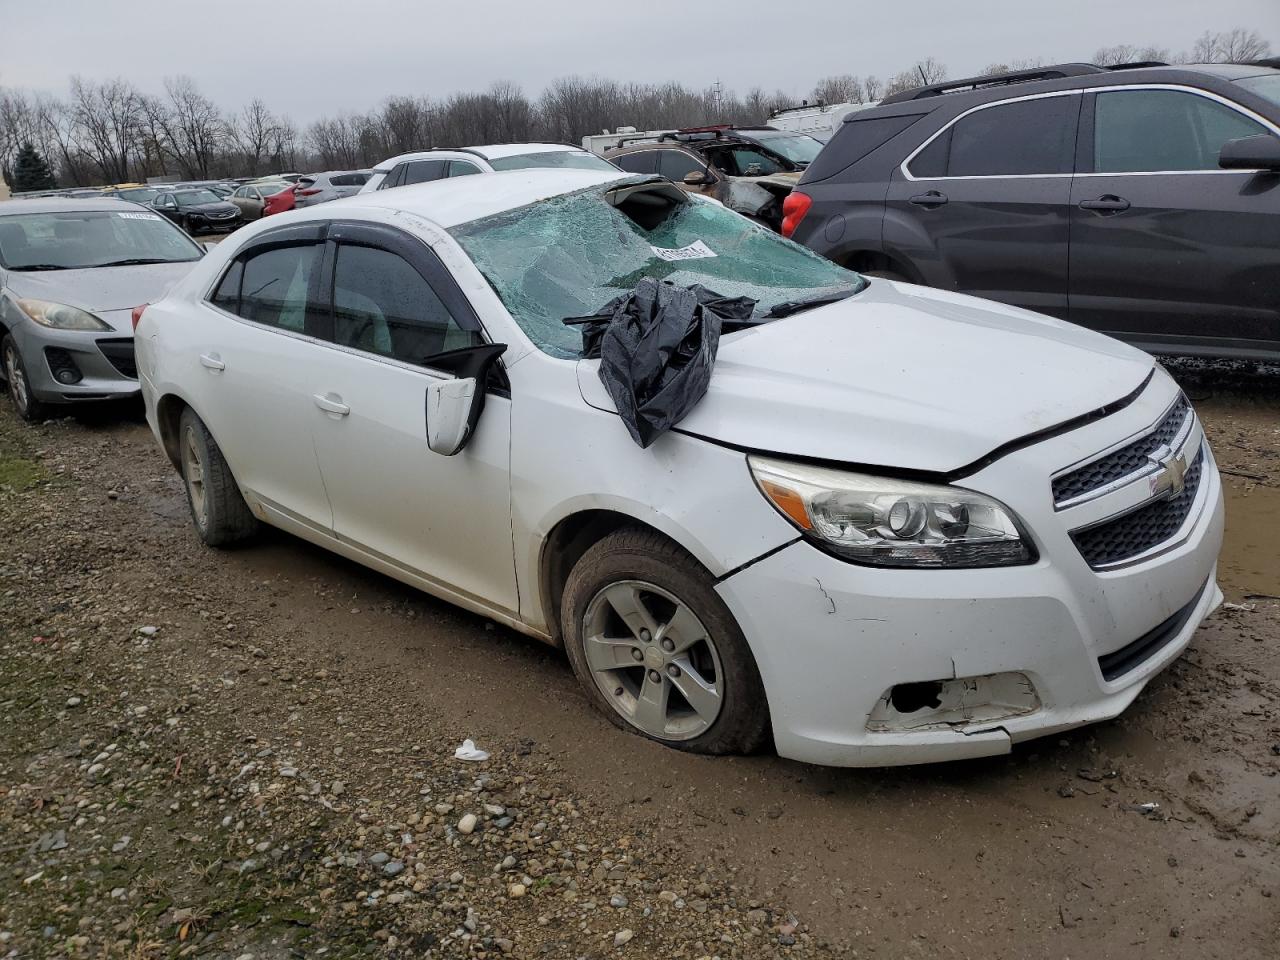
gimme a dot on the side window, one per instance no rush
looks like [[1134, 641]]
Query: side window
[[674, 164], [1023, 138], [423, 171], [227, 296], [460, 168], [643, 162], [274, 284], [381, 304], [745, 162], [393, 178], [1144, 131]]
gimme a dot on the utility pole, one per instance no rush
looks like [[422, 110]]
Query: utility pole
[[717, 101]]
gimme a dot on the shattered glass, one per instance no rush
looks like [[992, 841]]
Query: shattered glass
[[570, 255]]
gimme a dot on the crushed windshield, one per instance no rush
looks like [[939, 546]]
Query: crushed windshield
[[75, 240], [796, 147], [561, 159], [570, 255]]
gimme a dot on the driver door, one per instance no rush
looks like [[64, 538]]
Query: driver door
[[446, 519]]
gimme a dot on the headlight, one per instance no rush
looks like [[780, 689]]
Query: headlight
[[60, 316], [892, 523]]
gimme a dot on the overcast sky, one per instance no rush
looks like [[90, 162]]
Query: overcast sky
[[309, 59]]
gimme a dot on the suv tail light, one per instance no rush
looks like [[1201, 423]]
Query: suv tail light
[[794, 207], [137, 314]]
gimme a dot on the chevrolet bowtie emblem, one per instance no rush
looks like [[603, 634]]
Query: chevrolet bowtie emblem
[[1172, 475]]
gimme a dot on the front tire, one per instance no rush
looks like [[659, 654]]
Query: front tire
[[657, 650], [15, 373], [218, 510]]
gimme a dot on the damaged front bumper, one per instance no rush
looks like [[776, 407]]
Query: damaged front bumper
[[870, 666]]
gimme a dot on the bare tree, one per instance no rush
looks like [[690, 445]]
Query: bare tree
[[251, 132], [107, 117], [1129, 53], [873, 87], [193, 126], [1230, 46], [1013, 66], [841, 88]]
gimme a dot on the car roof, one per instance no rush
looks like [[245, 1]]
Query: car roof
[[64, 205], [448, 203], [493, 151], [1078, 76], [496, 151]]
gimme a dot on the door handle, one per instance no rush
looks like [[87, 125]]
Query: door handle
[[931, 199], [1108, 203], [213, 362], [331, 403]]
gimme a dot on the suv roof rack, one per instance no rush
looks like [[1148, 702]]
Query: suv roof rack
[[1055, 72]]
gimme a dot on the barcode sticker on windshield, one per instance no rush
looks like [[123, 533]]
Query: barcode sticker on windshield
[[138, 216], [694, 251]]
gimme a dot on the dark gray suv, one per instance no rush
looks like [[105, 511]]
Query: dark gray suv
[[1142, 201]]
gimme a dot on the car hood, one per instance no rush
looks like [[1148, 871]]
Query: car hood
[[902, 377], [101, 290]]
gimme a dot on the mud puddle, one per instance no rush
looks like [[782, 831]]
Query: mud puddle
[[1250, 562]]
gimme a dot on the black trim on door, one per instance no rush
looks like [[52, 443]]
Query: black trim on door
[[1084, 135]]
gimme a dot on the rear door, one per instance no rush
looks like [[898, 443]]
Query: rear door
[[251, 382], [982, 207], [1167, 249]]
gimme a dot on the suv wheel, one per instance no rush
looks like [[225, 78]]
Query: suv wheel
[[217, 507], [658, 651], [15, 373]]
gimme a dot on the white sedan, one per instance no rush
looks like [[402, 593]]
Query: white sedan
[[905, 526]]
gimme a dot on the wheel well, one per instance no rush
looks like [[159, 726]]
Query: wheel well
[[568, 541], [168, 414], [864, 260]]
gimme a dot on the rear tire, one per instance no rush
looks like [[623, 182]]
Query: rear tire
[[15, 375], [218, 510], [677, 669]]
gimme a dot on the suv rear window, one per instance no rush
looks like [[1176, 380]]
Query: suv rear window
[[854, 140], [1023, 138]]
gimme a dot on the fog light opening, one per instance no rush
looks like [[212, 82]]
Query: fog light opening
[[62, 365], [910, 697]]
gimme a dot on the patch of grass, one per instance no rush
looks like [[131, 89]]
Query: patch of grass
[[18, 474]]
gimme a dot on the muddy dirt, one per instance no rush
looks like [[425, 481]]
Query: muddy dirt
[[1052, 851]]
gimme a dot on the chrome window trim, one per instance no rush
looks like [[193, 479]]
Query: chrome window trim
[[1177, 87]]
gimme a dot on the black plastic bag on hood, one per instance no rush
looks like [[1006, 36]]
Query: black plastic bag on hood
[[656, 346]]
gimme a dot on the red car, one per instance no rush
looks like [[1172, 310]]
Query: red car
[[280, 202]]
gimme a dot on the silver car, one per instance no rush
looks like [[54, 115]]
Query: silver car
[[331, 185], [71, 272]]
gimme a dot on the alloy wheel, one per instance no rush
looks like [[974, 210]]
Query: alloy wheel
[[653, 660], [193, 471], [17, 379]]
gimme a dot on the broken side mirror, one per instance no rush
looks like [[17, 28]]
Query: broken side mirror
[[454, 406], [696, 178]]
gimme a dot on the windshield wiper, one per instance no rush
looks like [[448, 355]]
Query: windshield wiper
[[41, 266], [788, 307], [136, 261]]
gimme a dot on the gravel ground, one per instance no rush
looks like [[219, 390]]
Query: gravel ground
[[250, 753]]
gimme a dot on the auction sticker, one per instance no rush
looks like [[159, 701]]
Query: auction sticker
[[694, 251], [138, 216]]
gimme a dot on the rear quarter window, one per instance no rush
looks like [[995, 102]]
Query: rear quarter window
[[854, 140]]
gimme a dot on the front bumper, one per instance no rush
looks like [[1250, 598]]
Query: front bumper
[[833, 639], [104, 360]]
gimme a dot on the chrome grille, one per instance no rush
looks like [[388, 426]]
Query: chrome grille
[[1132, 534], [1122, 463]]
